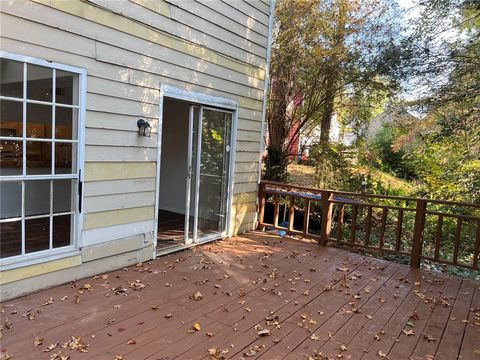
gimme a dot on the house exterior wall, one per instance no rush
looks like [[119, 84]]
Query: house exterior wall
[[129, 48]]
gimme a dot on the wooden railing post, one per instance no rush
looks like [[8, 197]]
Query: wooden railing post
[[327, 215], [261, 206], [418, 233]]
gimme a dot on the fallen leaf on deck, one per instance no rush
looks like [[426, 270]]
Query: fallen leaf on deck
[[381, 354], [314, 337], [209, 334], [197, 296], [136, 285], [50, 347], [86, 287], [343, 348], [49, 301], [37, 341], [131, 341], [59, 356], [408, 332], [476, 351], [414, 316], [8, 325], [429, 337], [76, 343], [118, 357], [119, 290], [155, 307], [64, 298], [168, 316], [264, 332], [197, 326]]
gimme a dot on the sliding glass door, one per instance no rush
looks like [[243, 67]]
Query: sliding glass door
[[209, 173]]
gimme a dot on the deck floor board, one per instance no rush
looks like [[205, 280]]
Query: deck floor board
[[313, 300]]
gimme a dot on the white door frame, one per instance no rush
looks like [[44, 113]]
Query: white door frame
[[200, 99]]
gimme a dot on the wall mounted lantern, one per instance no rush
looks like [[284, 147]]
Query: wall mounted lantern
[[144, 128]]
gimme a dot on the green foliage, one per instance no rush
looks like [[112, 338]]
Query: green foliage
[[387, 158]]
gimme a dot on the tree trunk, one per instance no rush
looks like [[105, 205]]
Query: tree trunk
[[328, 110]]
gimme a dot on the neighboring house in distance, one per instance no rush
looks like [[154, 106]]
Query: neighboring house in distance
[[337, 135], [128, 129], [390, 115]]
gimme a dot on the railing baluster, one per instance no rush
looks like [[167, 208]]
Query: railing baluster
[[384, 225], [458, 234], [327, 207], [291, 213], [341, 214], [354, 224], [261, 210], [369, 226], [306, 216], [398, 240], [416, 256], [276, 209], [438, 236], [476, 250]]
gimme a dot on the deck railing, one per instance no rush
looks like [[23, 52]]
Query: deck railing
[[444, 232]]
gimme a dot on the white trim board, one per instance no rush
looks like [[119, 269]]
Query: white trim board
[[102, 235]]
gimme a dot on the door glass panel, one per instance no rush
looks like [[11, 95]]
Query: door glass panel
[[214, 171], [62, 196], [10, 199], [11, 238], [11, 118], [39, 121], [37, 234], [65, 123], [61, 230], [66, 88], [37, 197], [11, 79], [11, 157], [65, 155], [39, 83], [39, 157]]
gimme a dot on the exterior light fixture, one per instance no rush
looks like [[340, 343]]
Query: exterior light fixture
[[144, 128]]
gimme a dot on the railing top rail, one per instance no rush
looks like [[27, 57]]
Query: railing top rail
[[372, 196]]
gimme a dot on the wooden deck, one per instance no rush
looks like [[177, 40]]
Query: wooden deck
[[310, 302]]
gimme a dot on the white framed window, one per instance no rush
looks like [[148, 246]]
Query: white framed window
[[41, 156]]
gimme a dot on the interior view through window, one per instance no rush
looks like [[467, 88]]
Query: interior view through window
[[38, 157], [194, 173]]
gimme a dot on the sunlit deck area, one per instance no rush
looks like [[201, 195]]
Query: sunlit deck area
[[255, 296]]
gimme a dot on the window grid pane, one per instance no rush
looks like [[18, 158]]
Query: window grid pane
[[42, 140]]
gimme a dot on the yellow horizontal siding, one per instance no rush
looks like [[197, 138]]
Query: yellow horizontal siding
[[111, 171], [121, 23], [158, 6], [9, 276], [117, 217]]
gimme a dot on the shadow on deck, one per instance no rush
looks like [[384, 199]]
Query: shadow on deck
[[310, 302]]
